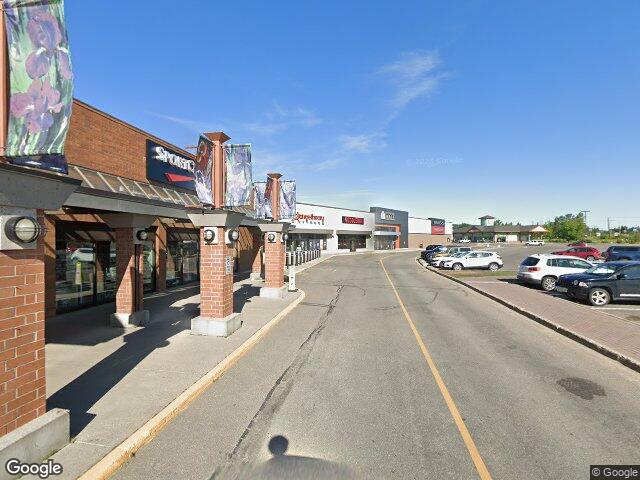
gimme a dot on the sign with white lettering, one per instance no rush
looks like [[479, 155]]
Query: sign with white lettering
[[228, 265], [165, 165], [437, 226], [353, 220]]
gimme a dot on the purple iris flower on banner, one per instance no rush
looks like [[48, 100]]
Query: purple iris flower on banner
[[46, 37], [37, 105]]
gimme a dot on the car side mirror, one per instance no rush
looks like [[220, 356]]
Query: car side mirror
[[621, 276]]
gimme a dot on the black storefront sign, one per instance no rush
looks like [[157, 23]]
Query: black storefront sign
[[165, 165], [437, 226]]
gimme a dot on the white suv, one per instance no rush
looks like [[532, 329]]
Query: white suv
[[544, 270], [534, 243], [477, 259]]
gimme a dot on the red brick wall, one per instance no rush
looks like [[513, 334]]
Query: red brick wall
[[101, 142], [273, 262], [216, 287], [22, 378]]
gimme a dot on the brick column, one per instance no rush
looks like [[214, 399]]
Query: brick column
[[50, 266], [22, 377], [161, 257], [274, 262], [256, 266], [129, 303]]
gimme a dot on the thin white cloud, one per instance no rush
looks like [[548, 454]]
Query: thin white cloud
[[365, 142], [266, 129], [295, 115], [415, 75], [197, 126], [328, 164]]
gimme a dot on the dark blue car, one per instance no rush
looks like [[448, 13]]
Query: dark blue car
[[622, 253], [603, 283], [428, 252]]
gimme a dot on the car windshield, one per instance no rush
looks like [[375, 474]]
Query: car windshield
[[604, 269]]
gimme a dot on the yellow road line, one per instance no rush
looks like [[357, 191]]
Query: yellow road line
[[457, 418]]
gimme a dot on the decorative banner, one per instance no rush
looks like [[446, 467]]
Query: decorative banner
[[203, 170], [41, 83], [287, 199], [437, 226], [239, 178], [262, 203]]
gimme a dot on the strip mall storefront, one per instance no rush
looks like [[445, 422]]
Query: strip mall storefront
[[123, 169], [331, 229], [391, 228]]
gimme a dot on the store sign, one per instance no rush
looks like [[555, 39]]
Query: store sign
[[168, 166], [387, 215], [437, 226], [302, 217], [353, 220]]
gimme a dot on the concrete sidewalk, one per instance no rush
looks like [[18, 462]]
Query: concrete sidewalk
[[613, 331], [114, 380]]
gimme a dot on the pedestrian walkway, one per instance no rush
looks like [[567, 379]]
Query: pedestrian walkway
[[613, 330], [114, 380]]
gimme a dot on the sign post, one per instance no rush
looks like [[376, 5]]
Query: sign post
[[292, 278]]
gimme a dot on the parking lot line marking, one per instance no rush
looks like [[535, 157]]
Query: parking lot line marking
[[483, 472]]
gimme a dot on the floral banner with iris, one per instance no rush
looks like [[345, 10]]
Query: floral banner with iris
[[262, 202], [41, 83], [239, 176], [203, 170], [287, 199]]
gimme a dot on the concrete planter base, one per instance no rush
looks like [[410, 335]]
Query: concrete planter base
[[35, 441], [216, 327], [128, 320], [271, 292], [255, 276]]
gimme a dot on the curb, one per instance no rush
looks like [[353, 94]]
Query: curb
[[143, 435], [586, 341]]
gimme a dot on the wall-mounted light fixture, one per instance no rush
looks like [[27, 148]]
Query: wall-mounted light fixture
[[210, 235], [23, 230], [142, 235], [271, 237]]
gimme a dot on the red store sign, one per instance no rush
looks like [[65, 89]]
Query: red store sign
[[353, 220]]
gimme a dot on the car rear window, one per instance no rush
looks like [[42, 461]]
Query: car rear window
[[530, 261]]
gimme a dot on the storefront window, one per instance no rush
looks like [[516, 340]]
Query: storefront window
[[85, 274], [307, 241], [149, 267], [183, 259], [351, 242]]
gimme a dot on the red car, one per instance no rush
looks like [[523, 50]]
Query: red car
[[577, 244], [588, 253]]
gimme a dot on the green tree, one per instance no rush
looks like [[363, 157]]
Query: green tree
[[568, 227]]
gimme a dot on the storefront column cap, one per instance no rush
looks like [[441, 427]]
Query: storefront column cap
[[217, 136], [128, 220], [215, 218], [31, 188], [278, 227]]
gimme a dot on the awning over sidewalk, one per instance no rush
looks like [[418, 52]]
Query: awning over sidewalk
[[354, 232], [321, 231]]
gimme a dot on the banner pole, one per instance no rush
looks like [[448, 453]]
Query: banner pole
[[4, 84]]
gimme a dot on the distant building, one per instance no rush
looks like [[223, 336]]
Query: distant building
[[488, 231]]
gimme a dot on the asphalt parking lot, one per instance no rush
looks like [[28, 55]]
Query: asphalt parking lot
[[513, 254]]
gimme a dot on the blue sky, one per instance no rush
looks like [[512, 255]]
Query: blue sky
[[524, 110]]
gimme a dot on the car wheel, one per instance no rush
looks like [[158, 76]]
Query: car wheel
[[548, 283], [590, 258], [457, 266], [599, 297], [493, 266]]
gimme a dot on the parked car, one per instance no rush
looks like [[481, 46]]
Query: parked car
[[437, 261], [622, 253], [478, 259], [448, 252], [534, 243], [587, 253], [426, 253], [544, 270], [603, 283], [577, 244], [465, 240], [83, 254]]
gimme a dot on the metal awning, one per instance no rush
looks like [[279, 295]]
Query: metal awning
[[386, 233], [320, 231], [354, 232]]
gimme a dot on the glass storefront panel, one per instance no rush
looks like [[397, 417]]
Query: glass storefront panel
[[75, 278], [149, 266], [183, 262], [307, 241], [350, 242]]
